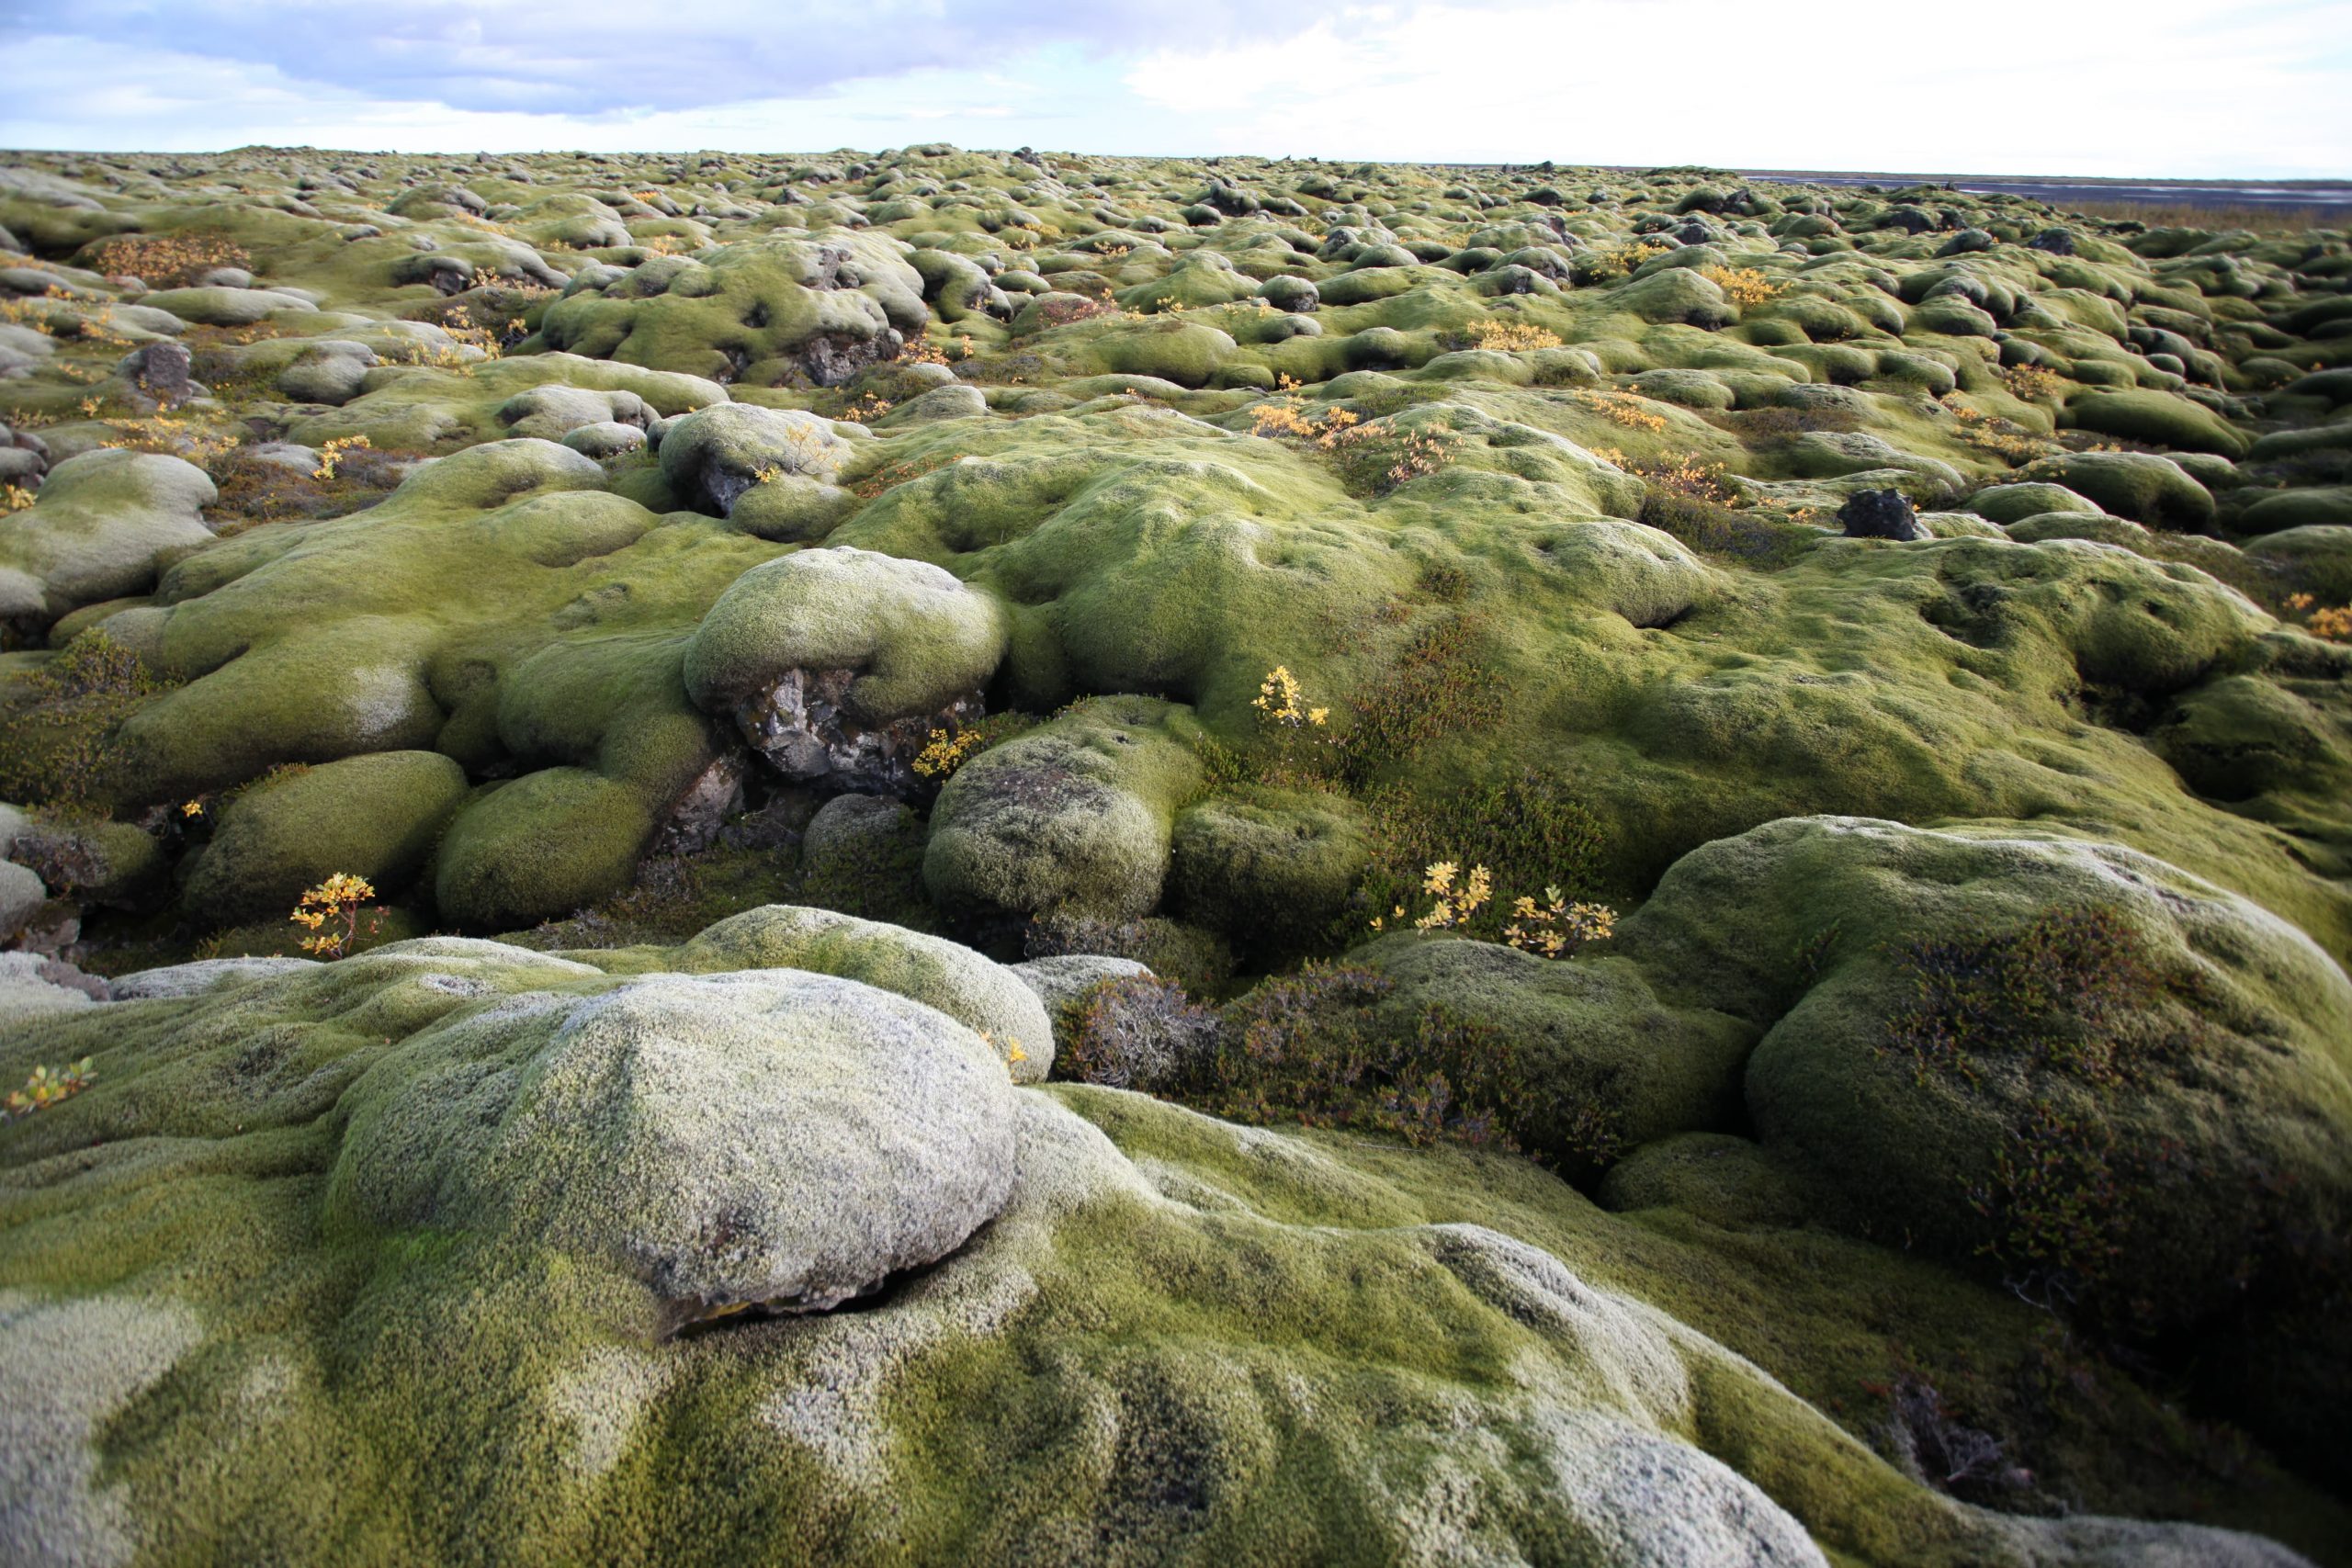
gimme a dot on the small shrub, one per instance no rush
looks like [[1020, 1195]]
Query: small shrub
[[1510, 337], [1765, 430], [943, 753], [2333, 623], [203, 446], [1625, 409], [1744, 285], [1139, 1032], [946, 751], [54, 749], [1009, 1048], [44, 1088], [2051, 1202], [2056, 991], [334, 453], [1531, 825], [254, 490], [1611, 265], [1441, 683], [2032, 383], [1280, 701], [1947, 1454], [1754, 540], [1457, 895], [1683, 476], [165, 261], [332, 912], [1061, 312], [1308, 1048], [1555, 928]]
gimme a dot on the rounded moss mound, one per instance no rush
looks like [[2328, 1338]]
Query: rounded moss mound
[[782, 1141], [763, 312], [714, 456], [1072, 818], [98, 529], [374, 816], [1605, 1065], [2159, 418], [519, 1172], [2001, 1045], [1715, 1177], [982, 995], [2317, 561], [2327, 506], [2015, 502], [539, 848], [2138, 485], [917, 639], [1270, 866]]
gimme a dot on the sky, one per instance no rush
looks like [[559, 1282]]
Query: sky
[[2193, 88]]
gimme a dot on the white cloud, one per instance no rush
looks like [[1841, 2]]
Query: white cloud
[[2080, 87], [2188, 87]]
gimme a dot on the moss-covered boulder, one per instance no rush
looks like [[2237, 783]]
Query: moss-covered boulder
[[982, 995], [2316, 560], [2007, 503], [538, 848], [491, 1179], [2146, 415], [2142, 486], [2001, 1044], [1605, 1065], [837, 664], [667, 1126], [103, 526], [375, 816], [716, 455], [1267, 866], [1075, 817]]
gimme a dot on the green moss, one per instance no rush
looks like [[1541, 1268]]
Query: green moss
[[917, 638], [2157, 417], [549, 842], [1271, 868], [1075, 816], [2140, 485], [375, 816]]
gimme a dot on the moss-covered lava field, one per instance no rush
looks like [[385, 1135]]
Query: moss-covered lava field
[[962, 857]]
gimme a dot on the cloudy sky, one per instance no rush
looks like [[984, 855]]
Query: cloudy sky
[[2187, 87]]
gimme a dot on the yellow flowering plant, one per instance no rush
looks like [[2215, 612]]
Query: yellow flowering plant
[[45, 1088], [1457, 900], [1556, 927], [947, 752], [334, 453], [332, 913]]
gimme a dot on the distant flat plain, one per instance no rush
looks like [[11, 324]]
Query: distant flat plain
[[2065, 191]]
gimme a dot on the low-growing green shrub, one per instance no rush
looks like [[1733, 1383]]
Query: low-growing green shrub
[[55, 747], [1308, 1048]]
